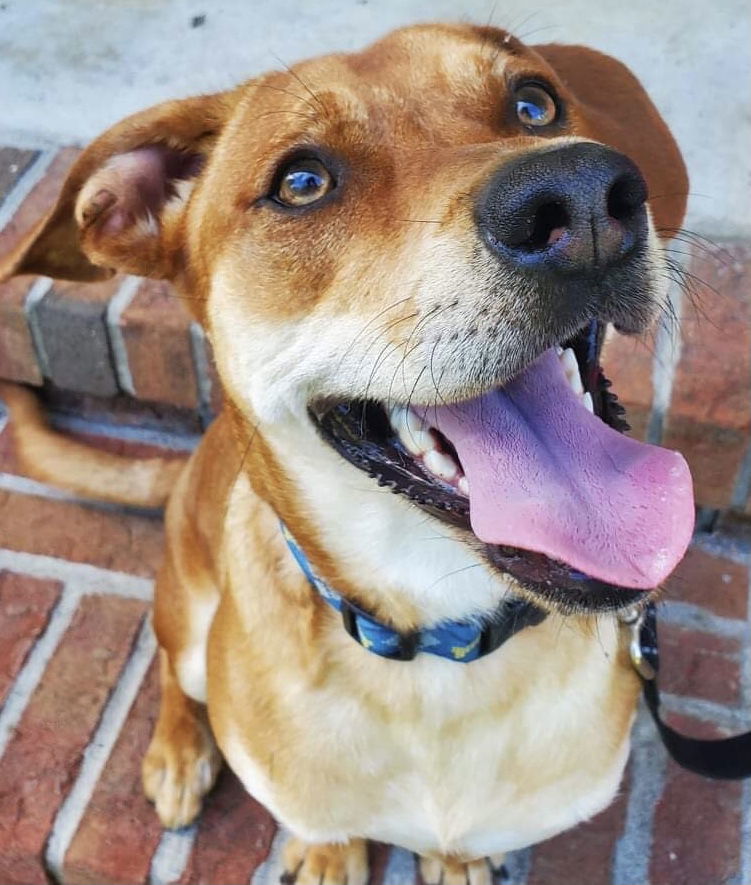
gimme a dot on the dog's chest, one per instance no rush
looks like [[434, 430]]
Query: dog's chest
[[442, 757]]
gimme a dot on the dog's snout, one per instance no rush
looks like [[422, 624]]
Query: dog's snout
[[572, 209]]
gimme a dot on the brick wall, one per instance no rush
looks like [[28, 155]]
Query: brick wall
[[686, 386]]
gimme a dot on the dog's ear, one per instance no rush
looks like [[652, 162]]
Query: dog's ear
[[122, 204], [613, 108]]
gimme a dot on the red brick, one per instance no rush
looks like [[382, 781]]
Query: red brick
[[234, 836], [712, 582], [697, 824], [710, 413], [42, 760], [584, 854], [17, 355], [39, 201], [155, 327], [71, 531], [698, 664], [627, 361], [72, 320], [25, 606], [120, 831]]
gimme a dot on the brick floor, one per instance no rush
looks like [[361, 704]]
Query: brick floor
[[78, 684]]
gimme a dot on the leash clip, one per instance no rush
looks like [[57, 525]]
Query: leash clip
[[633, 618]]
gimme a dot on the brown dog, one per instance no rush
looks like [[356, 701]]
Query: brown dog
[[405, 259]]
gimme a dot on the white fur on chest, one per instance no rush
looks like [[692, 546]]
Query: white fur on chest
[[452, 775]]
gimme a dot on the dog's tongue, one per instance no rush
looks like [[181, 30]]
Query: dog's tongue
[[547, 475]]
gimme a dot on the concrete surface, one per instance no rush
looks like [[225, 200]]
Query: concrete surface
[[69, 68]]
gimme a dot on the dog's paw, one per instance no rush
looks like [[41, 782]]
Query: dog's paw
[[325, 864], [177, 775], [447, 871]]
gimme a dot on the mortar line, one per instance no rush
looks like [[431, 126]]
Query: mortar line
[[98, 751], [687, 614], [742, 487], [203, 376], [633, 849], [26, 183], [732, 718], [172, 855], [166, 439], [270, 870], [22, 485], [401, 867], [39, 290], [86, 578], [518, 864], [35, 665], [117, 305], [668, 345]]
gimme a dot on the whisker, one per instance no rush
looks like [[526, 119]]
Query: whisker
[[316, 98], [290, 93]]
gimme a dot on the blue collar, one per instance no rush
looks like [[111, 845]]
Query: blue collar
[[461, 641]]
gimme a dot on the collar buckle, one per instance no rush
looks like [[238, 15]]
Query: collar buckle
[[408, 643]]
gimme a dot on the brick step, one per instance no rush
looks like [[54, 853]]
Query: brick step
[[78, 700]]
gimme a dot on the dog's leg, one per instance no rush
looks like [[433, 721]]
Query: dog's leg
[[325, 864], [446, 870], [182, 761]]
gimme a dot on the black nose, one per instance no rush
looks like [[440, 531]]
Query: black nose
[[573, 209]]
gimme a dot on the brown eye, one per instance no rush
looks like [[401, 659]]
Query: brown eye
[[535, 106], [303, 182]]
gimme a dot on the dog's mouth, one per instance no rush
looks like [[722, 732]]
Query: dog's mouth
[[539, 475]]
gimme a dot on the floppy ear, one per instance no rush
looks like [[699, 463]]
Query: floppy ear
[[122, 205], [613, 108]]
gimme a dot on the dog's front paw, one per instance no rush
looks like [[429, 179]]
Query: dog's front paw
[[178, 773], [325, 864], [447, 871]]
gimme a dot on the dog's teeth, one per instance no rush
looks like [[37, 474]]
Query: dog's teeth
[[463, 485], [571, 369], [441, 465], [412, 431], [588, 403]]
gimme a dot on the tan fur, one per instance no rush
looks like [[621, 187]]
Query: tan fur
[[52, 457], [358, 296]]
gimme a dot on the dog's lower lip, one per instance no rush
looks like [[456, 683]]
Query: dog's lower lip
[[362, 433]]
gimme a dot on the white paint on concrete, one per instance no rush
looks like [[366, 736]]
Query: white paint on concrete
[[69, 69]]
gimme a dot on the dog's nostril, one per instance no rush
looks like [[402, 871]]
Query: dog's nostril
[[626, 196], [548, 223]]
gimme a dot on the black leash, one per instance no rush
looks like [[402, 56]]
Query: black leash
[[724, 758]]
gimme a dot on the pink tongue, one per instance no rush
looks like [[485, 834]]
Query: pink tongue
[[547, 475]]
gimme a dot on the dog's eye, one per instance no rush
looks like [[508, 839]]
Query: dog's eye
[[303, 182], [535, 106]]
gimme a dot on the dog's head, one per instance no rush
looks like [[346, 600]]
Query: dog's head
[[408, 256]]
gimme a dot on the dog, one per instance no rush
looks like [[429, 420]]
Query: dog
[[405, 259]]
